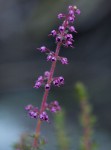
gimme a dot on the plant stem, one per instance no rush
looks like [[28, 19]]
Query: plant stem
[[87, 129], [35, 143]]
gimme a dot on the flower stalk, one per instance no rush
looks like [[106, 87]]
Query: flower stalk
[[63, 37], [35, 144]]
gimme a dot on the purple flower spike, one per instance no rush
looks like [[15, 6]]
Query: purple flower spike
[[63, 37], [64, 60]]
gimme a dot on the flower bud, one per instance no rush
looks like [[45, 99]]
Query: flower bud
[[47, 86]]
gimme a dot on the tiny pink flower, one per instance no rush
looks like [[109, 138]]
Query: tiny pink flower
[[61, 28], [58, 39], [61, 80], [71, 12], [71, 19], [40, 78], [53, 33], [47, 86], [68, 43], [29, 107], [46, 74], [44, 117], [68, 36], [37, 84], [54, 107], [42, 49], [58, 81], [53, 58], [64, 60], [33, 113], [70, 7], [60, 16], [72, 29], [78, 12], [49, 57]]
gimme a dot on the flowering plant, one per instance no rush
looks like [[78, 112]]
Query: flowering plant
[[63, 37]]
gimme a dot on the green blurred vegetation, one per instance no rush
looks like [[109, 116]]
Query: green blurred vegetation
[[87, 119], [26, 141], [61, 131]]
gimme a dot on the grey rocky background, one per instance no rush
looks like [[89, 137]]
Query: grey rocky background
[[24, 25]]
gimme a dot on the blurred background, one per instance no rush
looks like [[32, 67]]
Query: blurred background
[[24, 26]]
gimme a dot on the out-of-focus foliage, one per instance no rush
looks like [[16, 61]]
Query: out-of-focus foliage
[[61, 131], [81, 92], [26, 143], [87, 119]]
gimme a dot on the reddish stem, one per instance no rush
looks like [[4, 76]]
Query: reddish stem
[[35, 143], [44, 99]]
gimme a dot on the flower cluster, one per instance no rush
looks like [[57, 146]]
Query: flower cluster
[[42, 80], [51, 55], [58, 81], [54, 106], [62, 34], [34, 112]]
